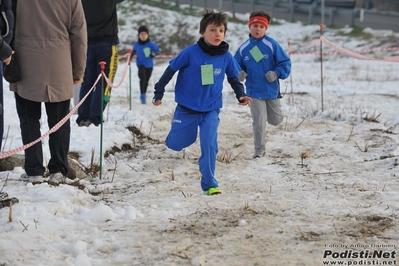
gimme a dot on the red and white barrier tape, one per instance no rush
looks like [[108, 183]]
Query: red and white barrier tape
[[160, 56], [354, 54], [52, 130], [62, 121], [338, 49]]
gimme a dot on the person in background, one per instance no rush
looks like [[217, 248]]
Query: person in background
[[146, 50], [7, 30], [263, 62], [198, 92], [102, 34], [51, 56]]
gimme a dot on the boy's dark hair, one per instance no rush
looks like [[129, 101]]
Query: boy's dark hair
[[211, 17], [261, 13]]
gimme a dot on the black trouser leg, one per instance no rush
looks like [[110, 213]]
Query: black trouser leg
[[60, 139], [29, 114]]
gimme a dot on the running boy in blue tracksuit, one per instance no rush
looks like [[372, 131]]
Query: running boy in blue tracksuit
[[146, 50], [198, 92], [263, 61]]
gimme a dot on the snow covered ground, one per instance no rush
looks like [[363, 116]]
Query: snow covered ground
[[327, 190]]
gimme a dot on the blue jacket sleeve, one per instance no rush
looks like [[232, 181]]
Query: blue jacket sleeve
[[237, 87], [133, 53], [162, 82]]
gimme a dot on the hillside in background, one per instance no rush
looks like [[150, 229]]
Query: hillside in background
[[170, 29]]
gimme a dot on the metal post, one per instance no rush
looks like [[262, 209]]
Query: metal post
[[310, 18], [272, 2], [321, 67], [130, 78], [292, 90], [102, 64], [332, 15], [233, 8], [292, 8]]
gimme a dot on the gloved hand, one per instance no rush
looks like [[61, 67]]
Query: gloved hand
[[271, 76], [242, 75]]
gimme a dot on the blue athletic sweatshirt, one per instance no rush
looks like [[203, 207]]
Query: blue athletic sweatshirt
[[144, 59], [189, 90], [274, 59]]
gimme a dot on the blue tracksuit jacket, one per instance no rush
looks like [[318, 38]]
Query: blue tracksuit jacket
[[274, 59], [189, 90]]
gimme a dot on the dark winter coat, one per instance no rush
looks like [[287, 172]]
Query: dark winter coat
[[102, 20]]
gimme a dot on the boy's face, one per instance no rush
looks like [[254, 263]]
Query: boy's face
[[213, 34], [143, 36], [257, 30]]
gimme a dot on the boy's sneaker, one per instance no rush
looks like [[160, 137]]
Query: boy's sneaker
[[56, 178], [34, 179], [213, 191], [259, 153]]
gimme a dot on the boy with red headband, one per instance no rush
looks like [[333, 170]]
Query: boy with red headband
[[202, 69], [263, 62]]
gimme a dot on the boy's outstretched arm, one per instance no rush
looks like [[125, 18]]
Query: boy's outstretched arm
[[160, 85], [239, 91], [132, 54]]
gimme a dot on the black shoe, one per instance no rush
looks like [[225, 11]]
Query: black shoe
[[85, 123]]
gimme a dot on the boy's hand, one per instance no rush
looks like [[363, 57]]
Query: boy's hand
[[156, 102], [245, 100], [271, 76]]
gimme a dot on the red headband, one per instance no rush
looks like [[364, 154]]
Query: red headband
[[258, 20]]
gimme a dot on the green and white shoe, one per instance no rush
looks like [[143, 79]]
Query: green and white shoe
[[213, 191]]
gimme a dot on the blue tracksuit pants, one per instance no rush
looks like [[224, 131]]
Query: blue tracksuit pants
[[91, 108], [184, 132]]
